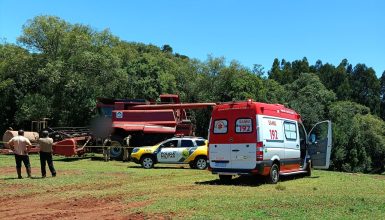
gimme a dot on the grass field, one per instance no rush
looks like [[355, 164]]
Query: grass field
[[89, 188]]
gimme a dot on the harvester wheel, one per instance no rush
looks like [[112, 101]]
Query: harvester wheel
[[116, 150]]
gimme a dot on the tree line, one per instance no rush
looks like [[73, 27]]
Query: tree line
[[57, 70]]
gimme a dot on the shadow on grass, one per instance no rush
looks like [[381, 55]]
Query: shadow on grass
[[252, 181], [10, 178], [71, 159], [237, 181], [15, 178], [161, 168]]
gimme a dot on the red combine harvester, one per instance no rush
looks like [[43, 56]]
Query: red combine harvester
[[146, 122]]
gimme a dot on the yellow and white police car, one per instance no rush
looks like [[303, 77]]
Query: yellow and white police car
[[176, 150]]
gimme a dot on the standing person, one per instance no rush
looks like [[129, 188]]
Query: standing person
[[20, 145], [107, 149], [125, 149], [45, 144]]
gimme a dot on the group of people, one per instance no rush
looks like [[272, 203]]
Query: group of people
[[21, 146]]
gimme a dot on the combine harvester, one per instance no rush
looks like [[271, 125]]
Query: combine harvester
[[145, 122]]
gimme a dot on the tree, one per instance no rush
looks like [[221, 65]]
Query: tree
[[275, 71], [382, 94], [44, 34], [358, 138], [365, 87], [33, 107], [299, 66], [272, 92], [345, 134], [258, 70], [308, 96], [166, 48]]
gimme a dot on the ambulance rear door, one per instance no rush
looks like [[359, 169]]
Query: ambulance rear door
[[243, 147], [232, 141], [219, 147]]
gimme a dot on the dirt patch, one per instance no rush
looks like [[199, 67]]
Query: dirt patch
[[45, 207], [187, 187], [144, 216], [379, 177], [36, 171]]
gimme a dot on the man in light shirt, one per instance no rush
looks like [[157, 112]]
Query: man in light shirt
[[21, 146], [45, 144]]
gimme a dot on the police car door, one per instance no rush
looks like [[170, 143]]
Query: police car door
[[168, 152], [320, 144], [186, 146]]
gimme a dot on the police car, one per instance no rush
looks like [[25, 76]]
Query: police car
[[176, 150]]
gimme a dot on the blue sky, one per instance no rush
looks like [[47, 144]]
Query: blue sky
[[252, 32]]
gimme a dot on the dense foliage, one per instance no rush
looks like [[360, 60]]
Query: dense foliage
[[58, 69]]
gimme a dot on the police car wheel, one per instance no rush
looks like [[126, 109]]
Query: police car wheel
[[147, 162], [201, 163], [273, 177]]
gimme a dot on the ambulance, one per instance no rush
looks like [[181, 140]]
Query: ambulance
[[269, 140]]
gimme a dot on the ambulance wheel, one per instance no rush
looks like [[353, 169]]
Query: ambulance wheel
[[200, 163], [308, 169], [225, 178], [273, 177], [147, 162]]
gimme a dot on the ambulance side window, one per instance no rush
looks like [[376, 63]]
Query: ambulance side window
[[290, 131]]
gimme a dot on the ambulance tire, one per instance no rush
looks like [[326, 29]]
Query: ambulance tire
[[225, 179], [308, 169], [273, 177], [147, 162]]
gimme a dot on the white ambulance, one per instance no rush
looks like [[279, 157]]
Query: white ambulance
[[253, 138]]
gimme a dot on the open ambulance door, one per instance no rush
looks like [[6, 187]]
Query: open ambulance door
[[320, 144]]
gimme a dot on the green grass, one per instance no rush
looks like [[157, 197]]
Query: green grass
[[194, 194]]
